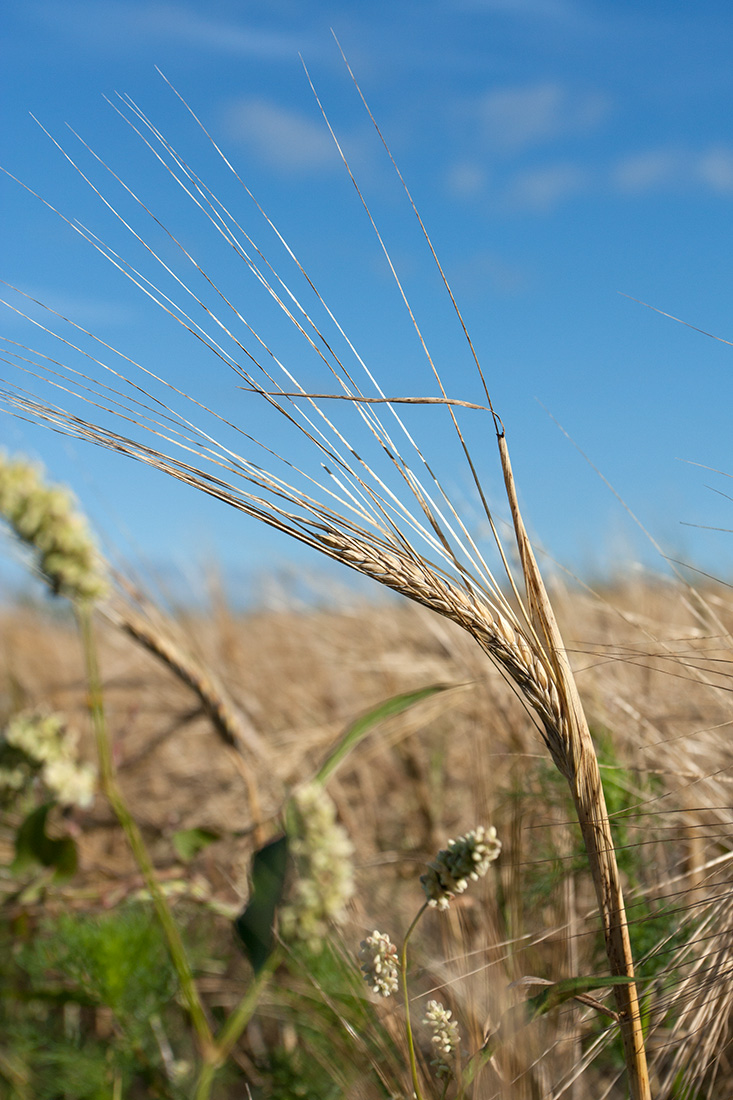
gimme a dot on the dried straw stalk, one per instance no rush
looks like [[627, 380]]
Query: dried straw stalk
[[228, 721]]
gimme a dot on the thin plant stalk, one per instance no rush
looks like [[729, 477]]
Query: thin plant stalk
[[134, 838], [214, 1051], [235, 1025], [406, 999]]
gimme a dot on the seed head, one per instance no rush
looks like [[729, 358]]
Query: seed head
[[380, 964], [324, 873], [72, 783], [465, 859], [445, 1038], [45, 518], [42, 745]]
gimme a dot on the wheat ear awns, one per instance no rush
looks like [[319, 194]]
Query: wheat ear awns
[[348, 509]]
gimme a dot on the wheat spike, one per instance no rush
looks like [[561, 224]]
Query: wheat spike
[[350, 511]]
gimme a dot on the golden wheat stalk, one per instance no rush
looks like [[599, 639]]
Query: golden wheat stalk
[[352, 514], [231, 725]]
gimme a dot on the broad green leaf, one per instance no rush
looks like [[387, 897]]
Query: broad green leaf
[[33, 846], [255, 924], [362, 726], [189, 842]]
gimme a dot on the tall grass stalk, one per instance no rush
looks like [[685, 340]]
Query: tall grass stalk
[[232, 1030], [406, 1001], [214, 1050], [45, 519], [139, 850], [401, 530]]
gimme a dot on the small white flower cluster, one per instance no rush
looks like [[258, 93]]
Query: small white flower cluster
[[12, 779], [465, 859], [380, 964], [44, 517], [49, 749], [445, 1038], [325, 877]]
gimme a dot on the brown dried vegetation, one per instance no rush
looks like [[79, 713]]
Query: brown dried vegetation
[[651, 663]]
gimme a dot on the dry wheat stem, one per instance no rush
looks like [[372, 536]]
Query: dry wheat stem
[[238, 734], [214, 698], [575, 755]]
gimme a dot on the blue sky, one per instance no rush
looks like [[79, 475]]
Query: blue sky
[[562, 154]]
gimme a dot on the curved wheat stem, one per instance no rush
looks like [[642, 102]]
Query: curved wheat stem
[[229, 723]]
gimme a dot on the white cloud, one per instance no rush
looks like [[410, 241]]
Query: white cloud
[[518, 118], [486, 269], [28, 306], [715, 168], [650, 170], [119, 23], [466, 179], [542, 189], [555, 10], [223, 37], [674, 168], [287, 140]]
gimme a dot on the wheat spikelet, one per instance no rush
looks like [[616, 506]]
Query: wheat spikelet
[[230, 724]]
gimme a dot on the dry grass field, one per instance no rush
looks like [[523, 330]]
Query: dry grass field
[[556, 854], [653, 666]]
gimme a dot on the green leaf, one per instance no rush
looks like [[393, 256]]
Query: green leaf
[[362, 726], [33, 846], [478, 1060], [255, 924], [559, 992], [189, 842]]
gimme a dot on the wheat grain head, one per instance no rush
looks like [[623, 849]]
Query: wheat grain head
[[406, 534]]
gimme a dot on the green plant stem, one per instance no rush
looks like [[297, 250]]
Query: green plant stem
[[208, 1047], [406, 999], [235, 1025], [242, 1014]]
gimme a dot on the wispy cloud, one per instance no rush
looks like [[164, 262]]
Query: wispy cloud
[[223, 36], [485, 268], [673, 168], [92, 314], [649, 170], [715, 167], [543, 189], [287, 140], [514, 119], [554, 10], [466, 179], [536, 190], [118, 22]]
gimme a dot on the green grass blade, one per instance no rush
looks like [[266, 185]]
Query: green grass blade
[[358, 730], [560, 992]]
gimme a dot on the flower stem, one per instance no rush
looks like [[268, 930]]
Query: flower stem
[[134, 838], [406, 998], [235, 1025]]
